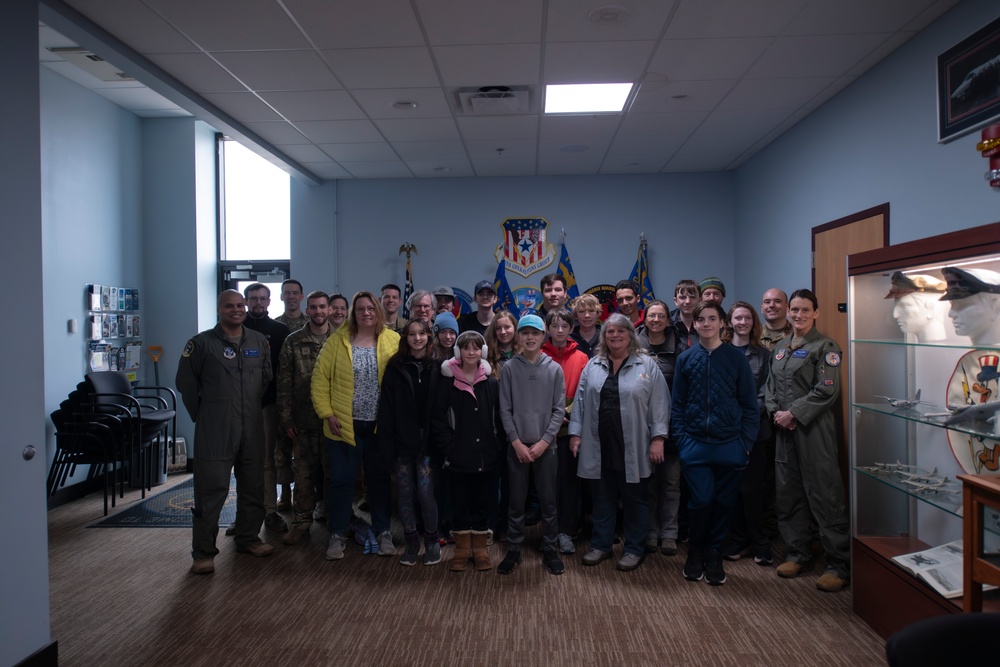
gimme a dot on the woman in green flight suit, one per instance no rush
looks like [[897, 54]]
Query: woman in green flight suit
[[801, 391]]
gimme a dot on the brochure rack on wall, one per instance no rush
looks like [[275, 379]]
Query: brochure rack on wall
[[114, 329]]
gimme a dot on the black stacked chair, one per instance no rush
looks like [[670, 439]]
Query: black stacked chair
[[145, 412], [82, 439]]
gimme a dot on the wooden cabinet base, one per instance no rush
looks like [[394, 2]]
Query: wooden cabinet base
[[885, 596]]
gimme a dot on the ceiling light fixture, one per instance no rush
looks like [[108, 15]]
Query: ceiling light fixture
[[404, 105], [587, 97], [575, 148], [441, 170]]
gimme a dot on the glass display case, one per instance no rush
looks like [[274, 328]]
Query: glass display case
[[925, 407]]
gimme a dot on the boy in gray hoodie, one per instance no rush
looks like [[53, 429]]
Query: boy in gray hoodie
[[532, 406]]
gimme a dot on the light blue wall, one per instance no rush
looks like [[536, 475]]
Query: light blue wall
[[456, 226], [314, 236], [91, 153], [180, 249], [873, 143]]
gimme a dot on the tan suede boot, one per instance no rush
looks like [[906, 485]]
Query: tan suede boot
[[480, 552], [463, 547]]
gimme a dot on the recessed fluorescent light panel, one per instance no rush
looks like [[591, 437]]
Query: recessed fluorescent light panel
[[586, 97]]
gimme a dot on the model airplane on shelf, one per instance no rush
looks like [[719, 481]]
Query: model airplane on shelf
[[893, 468], [918, 476], [937, 485], [981, 416], [903, 402]]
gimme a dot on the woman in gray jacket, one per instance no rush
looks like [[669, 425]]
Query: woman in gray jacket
[[617, 428]]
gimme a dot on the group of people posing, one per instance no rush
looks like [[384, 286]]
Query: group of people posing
[[660, 424]]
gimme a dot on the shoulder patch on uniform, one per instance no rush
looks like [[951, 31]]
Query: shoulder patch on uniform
[[780, 354], [832, 358], [188, 349]]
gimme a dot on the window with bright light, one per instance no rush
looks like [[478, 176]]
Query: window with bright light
[[587, 97], [255, 210]]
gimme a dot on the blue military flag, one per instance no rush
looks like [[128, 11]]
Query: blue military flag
[[505, 297], [566, 271], [640, 275]]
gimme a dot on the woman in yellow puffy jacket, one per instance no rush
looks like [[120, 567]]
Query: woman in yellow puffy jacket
[[345, 392]]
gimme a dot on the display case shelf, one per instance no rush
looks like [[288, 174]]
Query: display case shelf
[[920, 318]]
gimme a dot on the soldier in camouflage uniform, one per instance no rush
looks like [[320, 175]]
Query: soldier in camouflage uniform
[[291, 296], [296, 414], [294, 319]]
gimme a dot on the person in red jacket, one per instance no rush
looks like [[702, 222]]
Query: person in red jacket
[[563, 350]]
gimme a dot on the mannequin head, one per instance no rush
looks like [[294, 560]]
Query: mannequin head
[[975, 303], [918, 309]]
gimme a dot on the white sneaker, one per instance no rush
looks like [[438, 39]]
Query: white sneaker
[[385, 546], [335, 550]]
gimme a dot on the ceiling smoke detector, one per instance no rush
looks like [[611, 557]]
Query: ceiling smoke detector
[[609, 14], [494, 100]]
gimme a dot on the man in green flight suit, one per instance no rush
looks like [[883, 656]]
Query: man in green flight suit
[[221, 378]]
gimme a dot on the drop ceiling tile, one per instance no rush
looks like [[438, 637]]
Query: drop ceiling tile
[[823, 55], [372, 23], [242, 106], [680, 96], [489, 65], [198, 72], [481, 22], [710, 152], [574, 129], [707, 59], [383, 68], [135, 24], [303, 152], [636, 164], [880, 52], [511, 149], [314, 105], [430, 150], [593, 147], [568, 21], [663, 145], [431, 102], [753, 121], [328, 170], [279, 70], [360, 152], [505, 167], [929, 15], [232, 25], [638, 126], [137, 99], [498, 127], [277, 132], [419, 129], [386, 169], [846, 16], [440, 168], [340, 131], [555, 165], [774, 93], [596, 62], [733, 18]]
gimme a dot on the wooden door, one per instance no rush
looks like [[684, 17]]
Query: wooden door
[[831, 244]]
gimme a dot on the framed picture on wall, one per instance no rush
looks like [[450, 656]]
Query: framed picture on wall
[[968, 81]]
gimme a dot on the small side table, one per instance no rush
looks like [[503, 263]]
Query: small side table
[[978, 491]]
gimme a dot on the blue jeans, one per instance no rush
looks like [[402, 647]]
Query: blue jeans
[[345, 462], [715, 491], [635, 504], [415, 479]]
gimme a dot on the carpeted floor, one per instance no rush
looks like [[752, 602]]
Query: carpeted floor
[[124, 597], [170, 508]]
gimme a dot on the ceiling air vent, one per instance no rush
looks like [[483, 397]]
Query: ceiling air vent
[[494, 100], [92, 64]]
